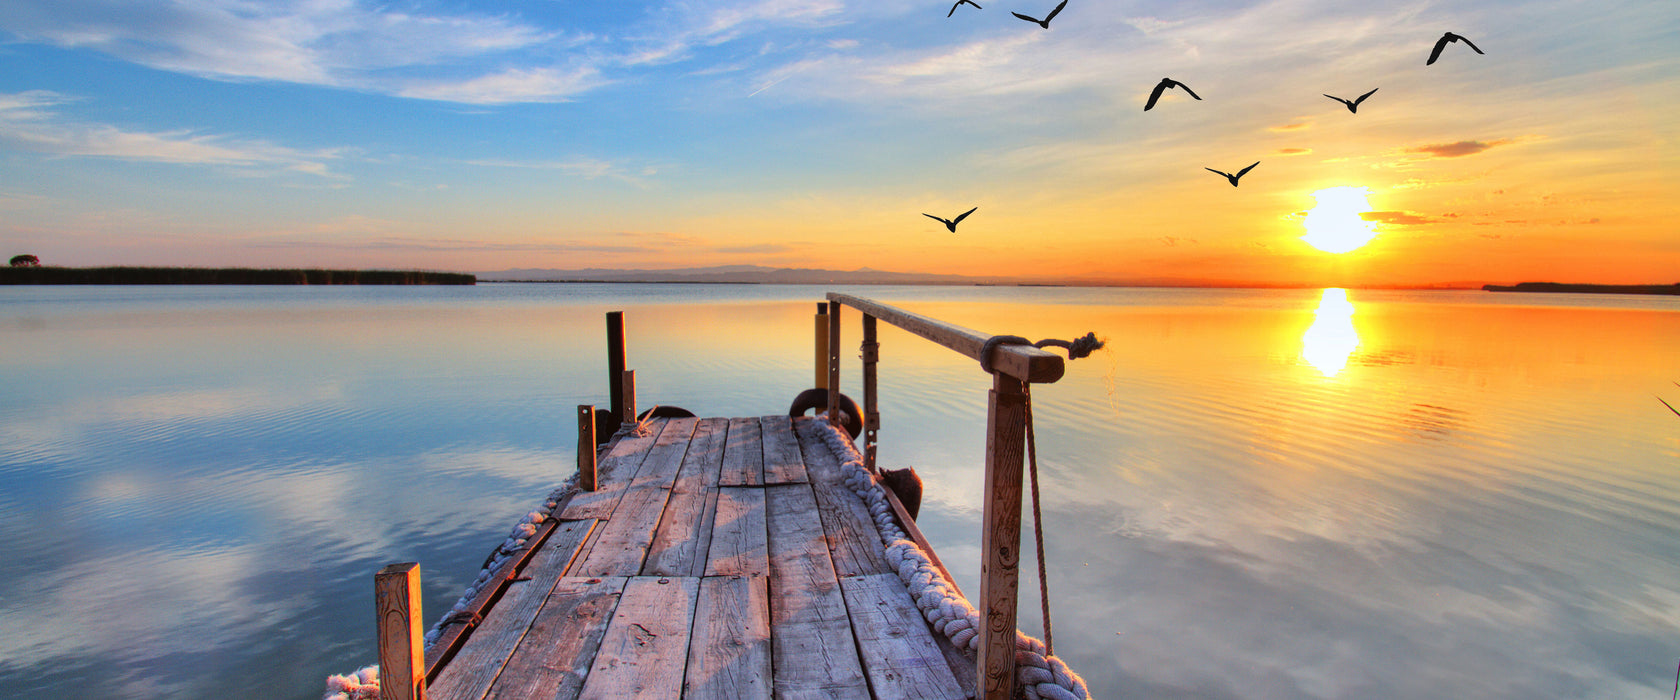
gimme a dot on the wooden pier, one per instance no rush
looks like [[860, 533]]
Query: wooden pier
[[725, 558], [718, 558]]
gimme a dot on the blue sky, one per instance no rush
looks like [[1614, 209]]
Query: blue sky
[[481, 136]]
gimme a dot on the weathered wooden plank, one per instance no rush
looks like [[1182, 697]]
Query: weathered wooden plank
[[561, 644], [680, 544], [729, 655], [899, 654], [470, 673], [628, 533], [1000, 536], [743, 454], [811, 638], [396, 595], [613, 475], [738, 534], [783, 463], [646, 645], [852, 534]]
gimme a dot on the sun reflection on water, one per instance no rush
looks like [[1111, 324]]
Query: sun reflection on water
[[1331, 339]]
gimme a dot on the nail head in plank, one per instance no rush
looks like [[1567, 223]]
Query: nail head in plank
[[562, 642], [646, 644]]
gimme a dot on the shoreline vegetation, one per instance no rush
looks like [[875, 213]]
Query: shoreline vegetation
[[228, 275], [1565, 288]]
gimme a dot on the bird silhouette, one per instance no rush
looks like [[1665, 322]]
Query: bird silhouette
[[1354, 105], [951, 223], [1442, 42], [960, 3], [1045, 23], [1233, 178], [1162, 87]]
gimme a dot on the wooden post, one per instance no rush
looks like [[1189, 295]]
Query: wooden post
[[586, 447], [1000, 537], [629, 380], [822, 345], [402, 656], [615, 360], [871, 409], [834, 363]]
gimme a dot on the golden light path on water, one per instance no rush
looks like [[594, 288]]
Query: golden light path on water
[[1331, 339]]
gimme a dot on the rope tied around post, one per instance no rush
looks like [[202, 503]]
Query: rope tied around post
[[1076, 348]]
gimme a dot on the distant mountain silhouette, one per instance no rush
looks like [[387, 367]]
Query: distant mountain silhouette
[[1565, 288], [731, 274]]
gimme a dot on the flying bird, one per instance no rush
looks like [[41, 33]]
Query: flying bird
[[1046, 21], [951, 223], [1162, 87], [1442, 42], [1233, 178], [1354, 105], [960, 3]]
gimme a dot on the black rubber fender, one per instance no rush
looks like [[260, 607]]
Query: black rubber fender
[[851, 417], [666, 412]]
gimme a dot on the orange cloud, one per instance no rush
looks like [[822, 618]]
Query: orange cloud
[[1293, 151], [1458, 149], [1401, 218]]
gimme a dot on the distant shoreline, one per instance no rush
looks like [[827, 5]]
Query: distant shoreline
[[1564, 288], [225, 276]]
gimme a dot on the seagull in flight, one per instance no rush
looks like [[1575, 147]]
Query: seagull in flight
[[1442, 42], [951, 223], [1233, 178], [1354, 105], [960, 3], [1046, 21], [1162, 87]]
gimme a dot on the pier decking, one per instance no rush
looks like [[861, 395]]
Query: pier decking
[[716, 558]]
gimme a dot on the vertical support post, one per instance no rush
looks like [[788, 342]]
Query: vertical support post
[[629, 414], [871, 409], [1000, 537], [586, 447], [615, 360], [822, 346], [402, 657], [834, 363]]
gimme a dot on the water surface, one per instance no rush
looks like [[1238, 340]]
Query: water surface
[[1249, 494]]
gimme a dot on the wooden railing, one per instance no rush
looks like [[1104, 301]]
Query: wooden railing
[[1014, 366]]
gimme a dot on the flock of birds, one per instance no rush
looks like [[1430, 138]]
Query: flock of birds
[[1168, 84]]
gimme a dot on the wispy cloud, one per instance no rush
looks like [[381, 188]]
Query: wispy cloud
[[336, 43], [28, 122], [588, 168], [1399, 218], [1457, 149]]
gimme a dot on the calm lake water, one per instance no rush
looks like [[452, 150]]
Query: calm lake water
[[1249, 494]]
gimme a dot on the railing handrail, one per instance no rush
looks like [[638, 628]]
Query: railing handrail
[[1023, 362]]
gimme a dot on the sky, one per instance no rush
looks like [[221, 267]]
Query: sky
[[480, 136]]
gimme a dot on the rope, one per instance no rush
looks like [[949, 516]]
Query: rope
[[1040, 674], [1077, 348], [1038, 523]]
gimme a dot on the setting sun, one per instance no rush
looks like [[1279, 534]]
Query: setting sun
[[1334, 225]]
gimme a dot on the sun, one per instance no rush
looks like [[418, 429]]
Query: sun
[[1334, 226]]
